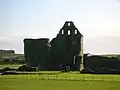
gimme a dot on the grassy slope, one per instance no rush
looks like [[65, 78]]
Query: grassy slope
[[24, 83], [13, 55], [10, 65]]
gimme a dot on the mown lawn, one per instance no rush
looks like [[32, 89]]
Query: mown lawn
[[24, 83], [32, 82], [55, 80], [9, 65]]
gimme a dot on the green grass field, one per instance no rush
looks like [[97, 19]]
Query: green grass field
[[10, 66], [26, 83], [55, 80], [59, 81]]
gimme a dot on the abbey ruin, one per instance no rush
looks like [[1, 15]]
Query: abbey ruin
[[65, 49]]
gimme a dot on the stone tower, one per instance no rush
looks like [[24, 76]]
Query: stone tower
[[67, 48], [36, 52]]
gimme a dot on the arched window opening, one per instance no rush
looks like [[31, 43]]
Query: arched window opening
[[75, 31], [62, 31], [68, 24], [68, 32]]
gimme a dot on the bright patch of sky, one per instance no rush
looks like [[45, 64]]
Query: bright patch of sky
[[44, 18]]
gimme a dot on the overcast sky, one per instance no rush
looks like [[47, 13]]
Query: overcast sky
[[97, 20]]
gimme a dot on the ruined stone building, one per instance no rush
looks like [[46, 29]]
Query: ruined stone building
[[65, 49], [36, 52]]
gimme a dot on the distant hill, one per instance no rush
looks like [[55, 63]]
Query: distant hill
[[106, 55], [10, 54], [7, 52], [14, 55], [111, 55]]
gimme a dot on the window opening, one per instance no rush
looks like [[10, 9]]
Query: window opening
[[62, 32], [68, 24], [75, 31], [68, 32]]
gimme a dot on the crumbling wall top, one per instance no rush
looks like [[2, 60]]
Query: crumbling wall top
[[69, 29]]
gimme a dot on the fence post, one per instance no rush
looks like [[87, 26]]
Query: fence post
[[41, 77], [38, 77], [29, 76], [83, 77], [65, 77], [48, 76], [92, 78], [76, 78], [102, 77]]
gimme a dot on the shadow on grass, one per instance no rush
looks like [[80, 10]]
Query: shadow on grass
[[29, 73]]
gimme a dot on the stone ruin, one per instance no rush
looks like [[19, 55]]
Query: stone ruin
[[65, 49]]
